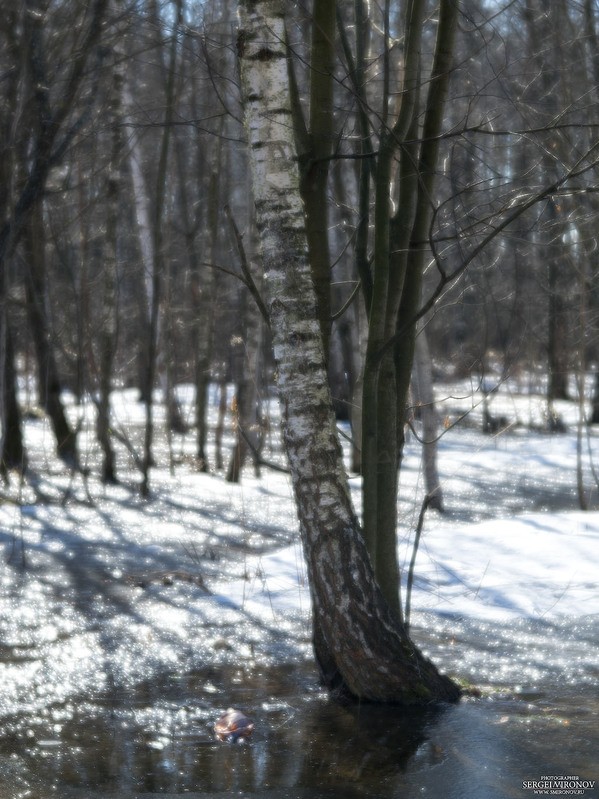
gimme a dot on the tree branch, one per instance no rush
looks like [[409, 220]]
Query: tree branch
[[450, 278], [248, 278]]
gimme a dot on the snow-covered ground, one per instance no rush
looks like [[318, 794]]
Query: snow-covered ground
[[535, 565], [503, 550], [100, 588]]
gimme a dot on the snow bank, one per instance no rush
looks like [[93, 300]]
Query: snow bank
[[533, 566]]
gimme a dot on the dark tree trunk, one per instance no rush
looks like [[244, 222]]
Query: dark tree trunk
[[12, 451], [220, 423], [595, 408], [108, 333], [247, 369], [49, 382]]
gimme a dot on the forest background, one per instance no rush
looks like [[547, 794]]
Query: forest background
[[128, 246], [127, 221]]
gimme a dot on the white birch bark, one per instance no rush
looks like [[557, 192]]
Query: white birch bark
[[422, 385], [363, 651], [142, 212]]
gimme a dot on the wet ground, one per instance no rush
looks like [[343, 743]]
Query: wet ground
[[537, 715], [119, 648]]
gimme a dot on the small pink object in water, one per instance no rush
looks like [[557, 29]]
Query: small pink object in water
[[233, 726]]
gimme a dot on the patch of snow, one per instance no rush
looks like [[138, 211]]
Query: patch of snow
[[99, 587]]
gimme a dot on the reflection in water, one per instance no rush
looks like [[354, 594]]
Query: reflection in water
[[158, 738]]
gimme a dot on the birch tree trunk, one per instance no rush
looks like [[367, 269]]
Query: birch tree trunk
[[363, 650], [424, 399]]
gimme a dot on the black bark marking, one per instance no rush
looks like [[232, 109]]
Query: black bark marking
[[241, 40], [266, 54]]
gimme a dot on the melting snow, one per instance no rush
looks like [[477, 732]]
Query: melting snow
[[99, 588]]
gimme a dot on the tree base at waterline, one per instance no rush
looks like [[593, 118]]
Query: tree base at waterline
[[428, 688], [363, 651]]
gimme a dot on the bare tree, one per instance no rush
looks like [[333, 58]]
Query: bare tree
[[151, 206], [49, 380], [248, 344], [399, 258], [107, 337], [58, 93], [361, 646]]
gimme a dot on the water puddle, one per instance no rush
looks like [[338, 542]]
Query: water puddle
[[537, 715]]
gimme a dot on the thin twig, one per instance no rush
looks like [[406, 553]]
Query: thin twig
[[338, 314], [258, 459], [248, 278], [425, 503]]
